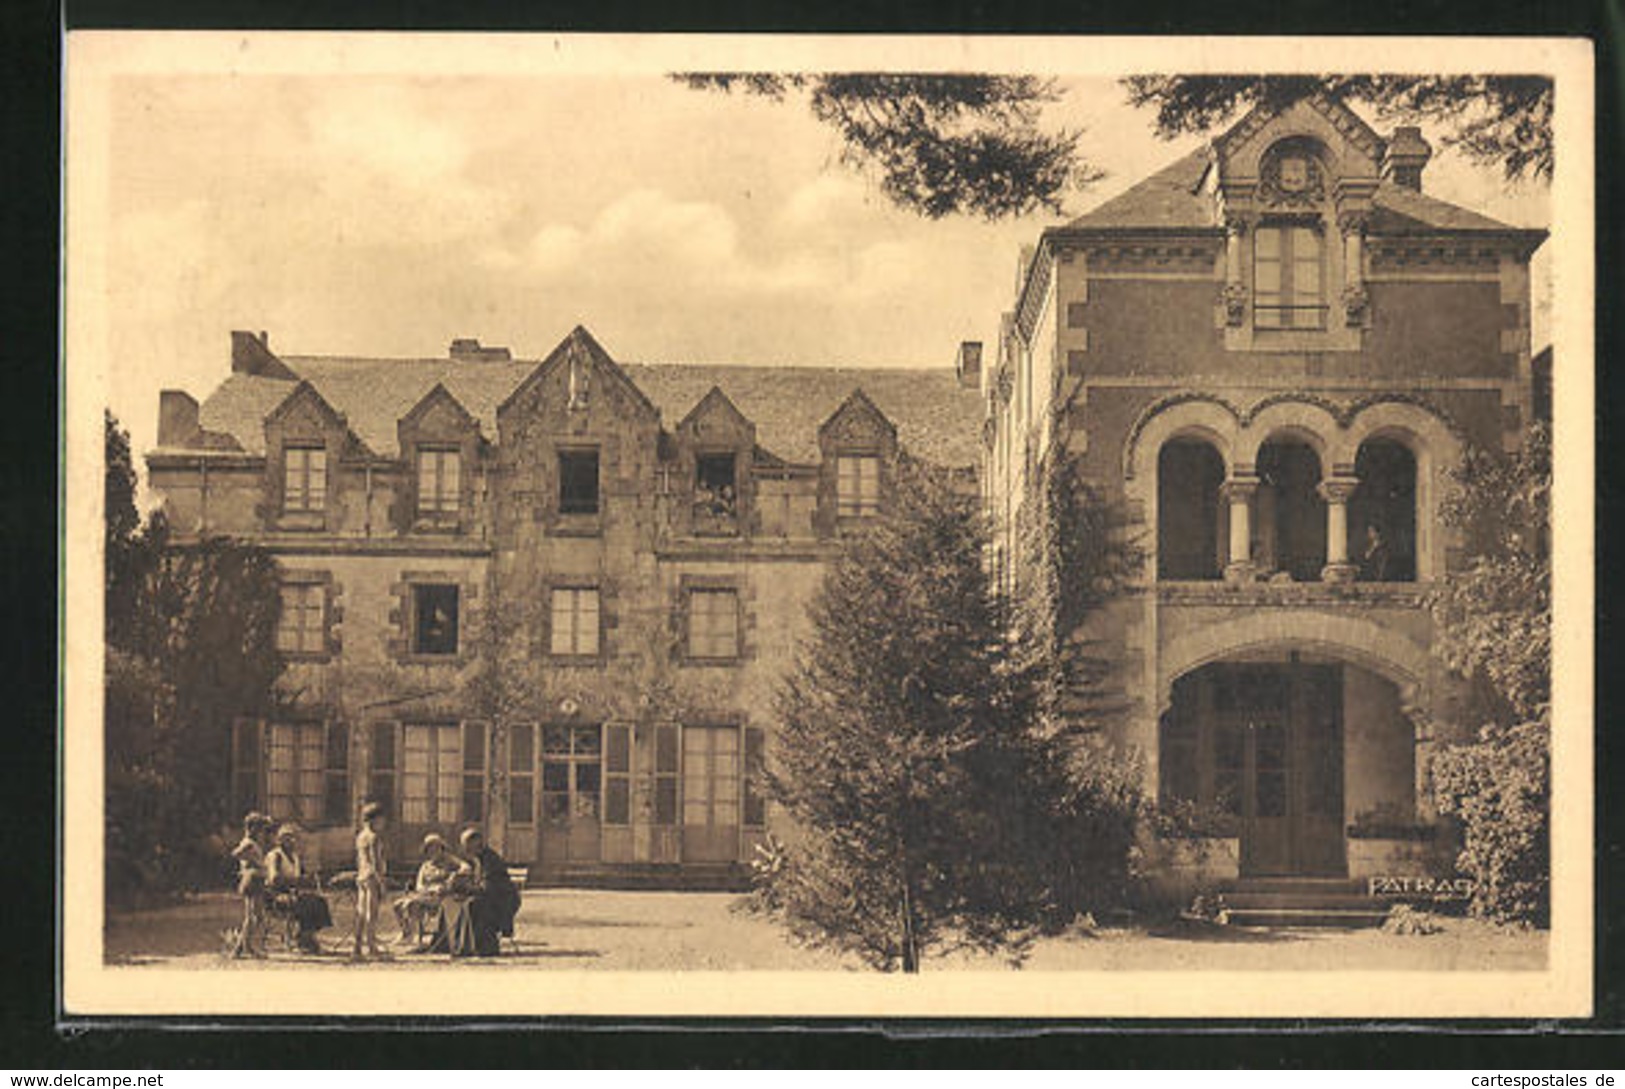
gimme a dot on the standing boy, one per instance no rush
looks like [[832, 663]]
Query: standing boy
[[369, 878]]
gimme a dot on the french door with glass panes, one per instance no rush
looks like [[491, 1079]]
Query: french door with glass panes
[[571, 797], [710, 793], [433, 773]]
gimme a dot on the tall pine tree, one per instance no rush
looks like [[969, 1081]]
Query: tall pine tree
[[904, 760]]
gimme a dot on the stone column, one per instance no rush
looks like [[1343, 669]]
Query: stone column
[[1337, 492], [1355, 300], [1235, 288], [1238, 492]]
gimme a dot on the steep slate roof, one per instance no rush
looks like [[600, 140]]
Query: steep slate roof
[[936, 417], [1173, 199]]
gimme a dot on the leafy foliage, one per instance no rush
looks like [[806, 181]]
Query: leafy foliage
[[940, 144], [191, 646], [1503, 120], [937, 802], [1493, 624]]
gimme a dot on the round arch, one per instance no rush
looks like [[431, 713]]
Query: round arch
[[1357, 641], [1437, 448], [1207, 418], [1307, 421]]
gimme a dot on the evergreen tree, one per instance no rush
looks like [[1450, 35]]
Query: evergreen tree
[[190, 647], [904, 760]]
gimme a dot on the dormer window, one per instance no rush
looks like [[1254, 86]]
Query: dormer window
[[304, 480], [857, 485], [716, 489], [1288, 280], [439, 480]]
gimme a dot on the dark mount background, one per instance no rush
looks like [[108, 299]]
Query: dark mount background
[[29, 479]]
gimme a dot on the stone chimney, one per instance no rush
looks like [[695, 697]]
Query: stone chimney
[[177, 418], [250, 352], [469, 350], [1406, 157], [968, 365]]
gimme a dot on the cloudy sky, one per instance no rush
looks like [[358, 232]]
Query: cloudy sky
[[386, 214]]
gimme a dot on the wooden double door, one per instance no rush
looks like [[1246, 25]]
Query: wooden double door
[[1267, 743]]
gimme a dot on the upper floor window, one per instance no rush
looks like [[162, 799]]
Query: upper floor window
[[439, 480], [304, 479], [857, 485], [434, 619], [1287, 280], [716, 493], [302, 627], [578, 481], [574, 629], [713, 623]]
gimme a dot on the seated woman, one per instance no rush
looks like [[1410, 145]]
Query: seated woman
[[434, 880], [496, 899], [293, 890]]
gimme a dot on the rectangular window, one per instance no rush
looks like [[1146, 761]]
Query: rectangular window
[[857, 485], [578, 481], [304, 478], [575, 623], [713, 623], [440, 480], [572, 780], [716, 493], [434, 619], [295, 779], [522, 774], [442, 772], [302, 628], [1287, 278]]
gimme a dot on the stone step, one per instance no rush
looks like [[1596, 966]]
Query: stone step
[[1306, 917], [1307, 886], [1343, 901]]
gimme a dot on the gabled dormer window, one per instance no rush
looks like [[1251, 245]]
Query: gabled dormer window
[[304, 480], [857, 485], [1288, 277]]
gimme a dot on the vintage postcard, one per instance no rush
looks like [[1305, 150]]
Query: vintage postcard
[[797, 526]]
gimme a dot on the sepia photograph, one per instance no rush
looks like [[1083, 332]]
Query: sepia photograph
[[797, 526]]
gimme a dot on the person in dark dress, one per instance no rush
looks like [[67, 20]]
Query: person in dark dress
[[289, 885], [496, 899], [1377, 561]]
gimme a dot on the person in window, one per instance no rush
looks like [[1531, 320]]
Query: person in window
[[1377, 562], [725, 501], [496, 900], [249, 854], [294, 891], [434, 880]]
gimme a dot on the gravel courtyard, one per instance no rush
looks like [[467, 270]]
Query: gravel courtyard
[[654, 931]]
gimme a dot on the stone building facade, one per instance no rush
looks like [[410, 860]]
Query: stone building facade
[[1260, 353], [552, 597]]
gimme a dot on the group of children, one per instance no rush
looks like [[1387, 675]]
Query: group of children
[[266, 873]]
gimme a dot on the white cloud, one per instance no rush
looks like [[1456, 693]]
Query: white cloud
[[377, 129]]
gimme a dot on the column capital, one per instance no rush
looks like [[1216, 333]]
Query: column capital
[[1337, 489], [1354, 220], [1239, 489]]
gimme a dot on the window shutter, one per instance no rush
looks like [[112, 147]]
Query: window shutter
[[247, 759], [476, 762]]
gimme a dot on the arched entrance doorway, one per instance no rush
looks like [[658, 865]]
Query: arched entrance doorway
[[1287, 750]]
